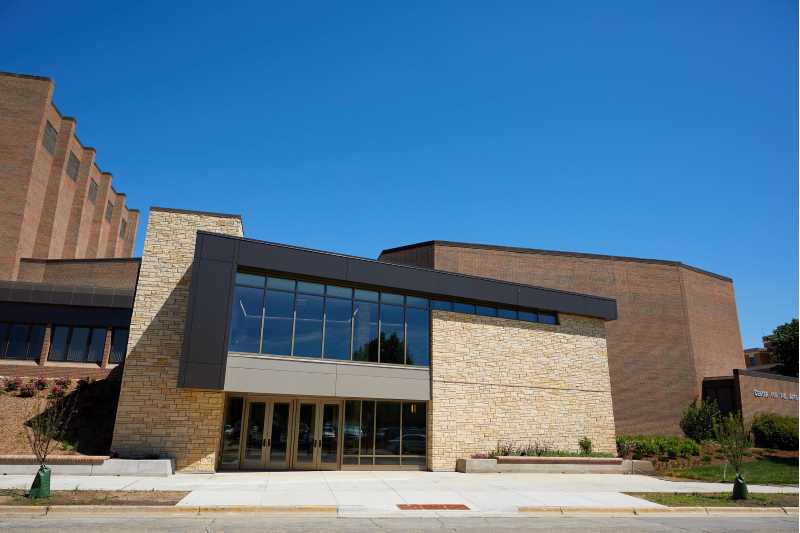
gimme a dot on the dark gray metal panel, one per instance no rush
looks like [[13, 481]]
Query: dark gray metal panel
[[47, 293], [291, 260], [218, 249], [200, 376], [36, 313], [567, 302]]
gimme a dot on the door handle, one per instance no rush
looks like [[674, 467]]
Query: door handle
[[269, 442]]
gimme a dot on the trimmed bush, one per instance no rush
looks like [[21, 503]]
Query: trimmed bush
[[649, 446], [27, 391], [698, 420], [775, 431]]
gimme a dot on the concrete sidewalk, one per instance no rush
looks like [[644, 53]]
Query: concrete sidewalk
[[379, 493]]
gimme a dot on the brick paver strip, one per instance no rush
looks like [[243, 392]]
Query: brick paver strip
[[432, 507]]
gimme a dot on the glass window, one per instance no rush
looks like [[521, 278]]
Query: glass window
[[308, 325], [392, 334], [278, 321], [280, 284], [443, 305], [92, 191], [109, 211], [365, 331], [528, 316], [310, 288], [231, 432], [486, 311], [73, 165], [338, 313], [18, 341], [97, 341], [119, 345], [339, 292], [367, 296], [49, 138], [548, 318], [367, 427], [413, 301], [248, 306], [352, 427], [250, 280], [387, 428], [389, 298], [418, 342], [414, 428], [459, 307], [58, 344], [507, 313], [3, 338], [78, 343]]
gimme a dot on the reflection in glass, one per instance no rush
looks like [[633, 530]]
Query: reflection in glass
[[119, 344], [442, 304], [255, 432], [528, 316], [305, 433], [459, 307], [414, 428], [486, 311], [365, 328], [248, 305], [278, 323], [387, 428], [547, 318], [97, 342], [367, 427], [78, 342], [58, 344], [18, 341], [35, 342], [338, 313], [279, 438], [392, 335], [352, 427], [330, 433], [418, 342], [231, 432], [507, 313], [308, 326]]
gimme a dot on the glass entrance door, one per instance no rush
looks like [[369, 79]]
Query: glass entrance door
[[254, 438], [266, 440], [277, 450], [317, 435]]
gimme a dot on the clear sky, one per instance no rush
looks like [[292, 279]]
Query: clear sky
[[653, 129]]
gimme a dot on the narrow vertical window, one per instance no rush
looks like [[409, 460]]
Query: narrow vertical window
[[49, 138], [92, 194], [123, 228], [109, 211], [247, 313]]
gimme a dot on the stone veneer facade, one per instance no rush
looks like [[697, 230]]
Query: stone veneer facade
[[154, 416], [505, 381]]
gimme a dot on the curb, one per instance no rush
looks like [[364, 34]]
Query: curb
[[656, 511], [63, 510]]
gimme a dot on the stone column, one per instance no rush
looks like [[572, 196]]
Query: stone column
[[154, 417]]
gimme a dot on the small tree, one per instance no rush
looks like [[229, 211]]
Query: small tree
[[734, 440], [783, 347], [698, 420], [47, 423]]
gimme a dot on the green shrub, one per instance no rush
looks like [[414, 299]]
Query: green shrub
[[585, 444], [775, 431], [698, 420], [651, 445]]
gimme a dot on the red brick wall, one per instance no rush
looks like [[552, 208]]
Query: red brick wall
[[657, 354], [752, 404]]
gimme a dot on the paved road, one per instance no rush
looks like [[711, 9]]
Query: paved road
[[357, 525]]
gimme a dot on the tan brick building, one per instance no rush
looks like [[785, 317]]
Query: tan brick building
[[56, 202], [677, 324], [254, 355]]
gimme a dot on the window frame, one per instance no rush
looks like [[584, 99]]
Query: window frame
[[92, 191]]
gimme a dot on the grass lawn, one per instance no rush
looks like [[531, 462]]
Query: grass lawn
[[94, 497], [767, 470], [695, 499]]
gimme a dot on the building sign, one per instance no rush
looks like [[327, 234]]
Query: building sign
[[774, 395]]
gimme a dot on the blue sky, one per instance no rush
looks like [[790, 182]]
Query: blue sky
[[652, 129]]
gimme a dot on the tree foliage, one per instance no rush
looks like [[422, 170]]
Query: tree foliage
[[782, 345]]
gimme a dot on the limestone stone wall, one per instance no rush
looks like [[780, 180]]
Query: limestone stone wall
[[497, 380], [153, 415]]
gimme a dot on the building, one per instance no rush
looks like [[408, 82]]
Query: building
[[66, 318], [758, 357], [677, 324], [57, 203], [246, 354]]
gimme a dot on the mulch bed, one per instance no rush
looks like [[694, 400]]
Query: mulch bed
[[94, 497]]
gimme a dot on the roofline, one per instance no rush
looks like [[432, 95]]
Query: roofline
[[86, 260], [25, 76], [554, 252], [410, 267], [194, 212]]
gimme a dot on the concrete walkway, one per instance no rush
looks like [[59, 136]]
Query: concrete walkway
[[379, 493]]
